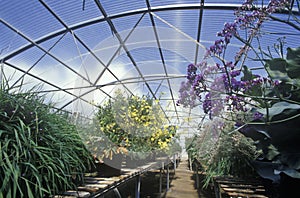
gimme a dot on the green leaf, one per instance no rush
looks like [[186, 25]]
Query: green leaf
[[264, 132], [291, 159], [277, 69], [272, 152], [247, 74], [8, 195], [29, 191], [286, 70], [278, 108], [290, 172], [293, 62], [266, 170], [37, 156]]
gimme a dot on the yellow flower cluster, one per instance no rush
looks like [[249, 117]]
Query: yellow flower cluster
[[131, 121], [162, 137]]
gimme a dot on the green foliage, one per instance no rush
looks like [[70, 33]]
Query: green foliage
[[287, 71], [278, 139], [41, 153], [191, 147], [277, 132], [232, 155], [223, 153]]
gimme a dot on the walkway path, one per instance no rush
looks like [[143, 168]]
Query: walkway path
[[182, 184]]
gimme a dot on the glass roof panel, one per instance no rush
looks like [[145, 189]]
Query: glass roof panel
[[96, 35], [16, 77], [274, 30], [68, 48], [113, 7], [27, 59], [29, 17], [222, 2], [124, 25], [66, 45], [171, 2], [74, 11], [10, 41], [213, 22], [54, 72], [145, 54], [185, 21]]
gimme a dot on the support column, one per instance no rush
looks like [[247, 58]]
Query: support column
[[175, 164], [117, 193], [160, 182], [168, 178], [138, 186], [197, 176]]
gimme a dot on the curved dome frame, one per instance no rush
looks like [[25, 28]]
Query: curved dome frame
[[182, 22]]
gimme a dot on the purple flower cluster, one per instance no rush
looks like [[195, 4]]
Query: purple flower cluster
[[217, 48], [229, 30], [210, 83], [275, 5], [213, 104], [236, 103], [191, 72], [187, 97], [224, 89]]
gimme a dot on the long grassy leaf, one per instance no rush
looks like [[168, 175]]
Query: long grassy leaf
[[29, 191], [40, 150]]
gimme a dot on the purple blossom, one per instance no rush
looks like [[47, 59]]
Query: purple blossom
[[229, 65], [212, 104], [257, 81], [218, 84], [191, 72], [198, 79], [257, 116], [275, 5], [235, 73], [229, 30], [226, 82], [236, 103], [236, 84], [217, 48], [187, 95], [207, 103], [217, 107], [276, 82], [202, 65]]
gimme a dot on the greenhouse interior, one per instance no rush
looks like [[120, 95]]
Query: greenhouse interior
[[150, 98]]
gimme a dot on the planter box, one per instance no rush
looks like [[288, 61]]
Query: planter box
[[110, 167]]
